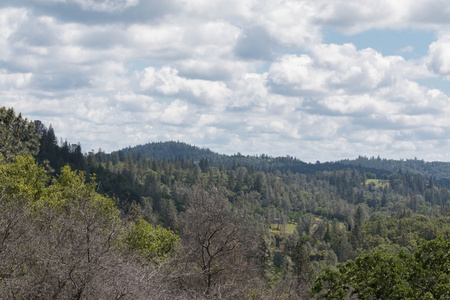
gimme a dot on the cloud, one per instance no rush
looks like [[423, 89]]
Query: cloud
[[175, 113], [356, 92], [292, 23], [240, 75], [438, 58], [14, 80], [96, 12], [407, 49], [105, 5], [333, 69], [352, 17], [356, 16], [96, 5], [165, 81], [256, 43]]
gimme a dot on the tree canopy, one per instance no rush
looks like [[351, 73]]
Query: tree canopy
[[188, 223], [381, 274], [63, 240], [17, 135]]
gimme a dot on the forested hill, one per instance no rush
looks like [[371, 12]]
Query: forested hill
[[130, 227], [205, 158], [169, 150], [436, 169]]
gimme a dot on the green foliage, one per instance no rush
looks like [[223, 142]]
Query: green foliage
[[63, 240], [377, 182], [379, 274], [153, 242], [71, 194], [17, 135], [66, 231], [22, 178], [68, 194], [429, 269], [438, 170], [387, 231]]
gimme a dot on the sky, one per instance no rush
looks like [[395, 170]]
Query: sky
[[314, 79]]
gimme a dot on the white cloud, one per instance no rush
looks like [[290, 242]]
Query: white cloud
[[175, 113], [407, 49], [333, 69], [356, 16], [240, 75], [109, 76], [438, 56], [134, 103], [10, 20], [166, 81], [291, 22], [15, 80]]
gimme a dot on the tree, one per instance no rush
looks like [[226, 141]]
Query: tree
[[356, 233], [169, 213], [65, 241], [17, 135], [301, 265], [218, 244], [377, 275], [21, 185], [424, 274], [154, 243], [203, 164]]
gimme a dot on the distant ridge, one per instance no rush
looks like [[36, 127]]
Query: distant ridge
[[170, 150], [436, 169], [179, 150]]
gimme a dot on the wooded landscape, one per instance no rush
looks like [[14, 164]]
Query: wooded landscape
[[169, 220]]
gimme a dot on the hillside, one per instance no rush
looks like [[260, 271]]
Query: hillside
[[271, 225], [169, 150], [179, 150], [438, 170]]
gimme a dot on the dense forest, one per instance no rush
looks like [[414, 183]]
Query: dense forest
[[169, 220]]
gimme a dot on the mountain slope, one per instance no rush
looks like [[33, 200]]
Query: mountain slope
[[179, 150], [170, 150], [436, 169]]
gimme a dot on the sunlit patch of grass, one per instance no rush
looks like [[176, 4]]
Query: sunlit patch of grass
[[279, 228], [378, 182]]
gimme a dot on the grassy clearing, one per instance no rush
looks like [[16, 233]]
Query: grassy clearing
[[278, 228], [378, 182]]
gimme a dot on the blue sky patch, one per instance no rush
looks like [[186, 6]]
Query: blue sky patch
[[411, 44]]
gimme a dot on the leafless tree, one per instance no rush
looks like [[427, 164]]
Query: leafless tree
[[73, 253], [219, 242]]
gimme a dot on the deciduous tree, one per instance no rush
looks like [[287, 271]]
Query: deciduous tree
[[17, 135], [218, 243]]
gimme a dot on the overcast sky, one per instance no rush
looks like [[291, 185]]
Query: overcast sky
[[315, 79]]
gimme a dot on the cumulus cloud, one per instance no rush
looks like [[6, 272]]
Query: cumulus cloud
[[240, 75], [353, 17], [438, 58], [166, 81], [256, 43], [333, 69], [175, 113]]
